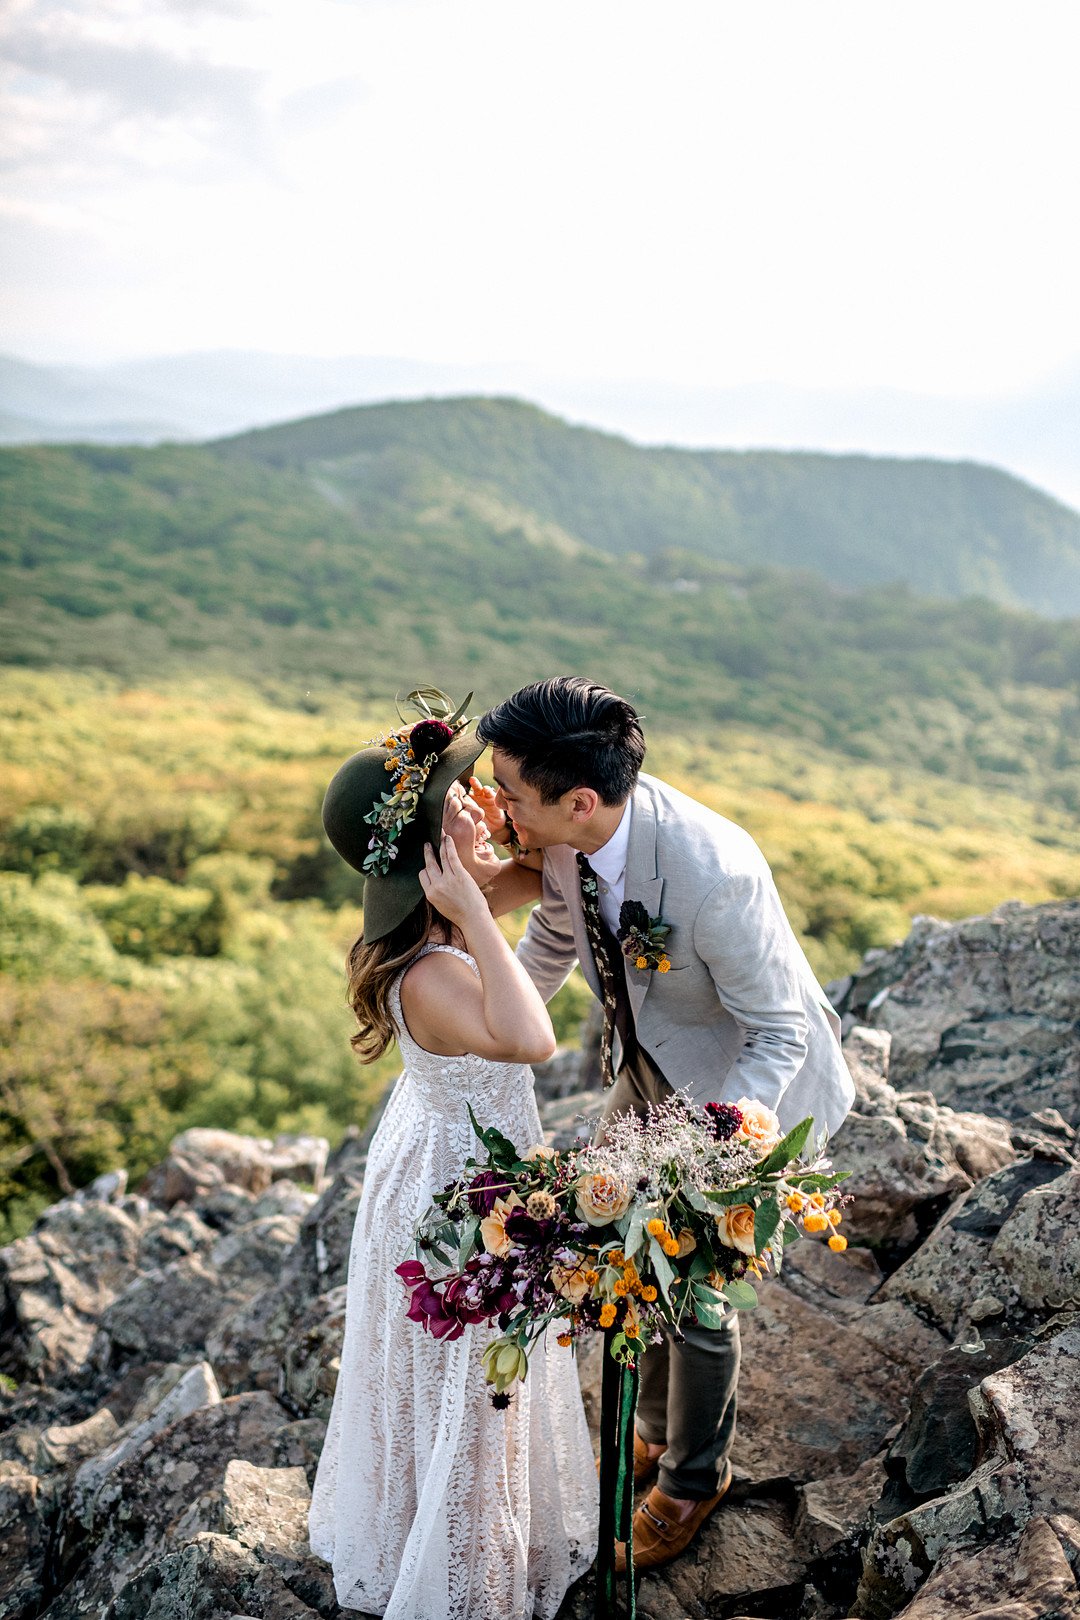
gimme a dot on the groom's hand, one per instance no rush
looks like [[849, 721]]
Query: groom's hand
[[494, 818]]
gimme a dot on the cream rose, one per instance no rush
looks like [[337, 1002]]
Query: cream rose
[[539, 1150], [493, 1226], [760, 1126], [602, 1197], [735, 1228]]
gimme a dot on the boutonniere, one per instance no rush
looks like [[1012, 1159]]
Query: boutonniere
[[642, 937]]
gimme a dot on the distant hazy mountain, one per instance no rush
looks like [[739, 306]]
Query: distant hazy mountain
[[198, 395], [945, 529]]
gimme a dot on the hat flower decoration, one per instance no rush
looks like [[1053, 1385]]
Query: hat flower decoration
[[412, 751]]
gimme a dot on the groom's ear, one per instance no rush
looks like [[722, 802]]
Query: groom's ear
[[583, 802]]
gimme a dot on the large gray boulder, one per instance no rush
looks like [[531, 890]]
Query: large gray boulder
[[984, 1013], [1029, 1468], [908, 1157]]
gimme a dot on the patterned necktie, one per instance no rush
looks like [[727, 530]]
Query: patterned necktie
[[604, 952]]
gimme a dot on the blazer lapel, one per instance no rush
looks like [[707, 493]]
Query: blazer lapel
[[642, 882]]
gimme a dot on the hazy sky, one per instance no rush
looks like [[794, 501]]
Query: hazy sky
[[821, 194]]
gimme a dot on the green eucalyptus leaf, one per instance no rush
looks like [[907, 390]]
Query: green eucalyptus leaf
[[740, 1294], [767, 1217], [662, 1268], [789, 1147]]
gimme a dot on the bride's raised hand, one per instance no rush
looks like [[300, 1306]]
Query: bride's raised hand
[[449, 887]]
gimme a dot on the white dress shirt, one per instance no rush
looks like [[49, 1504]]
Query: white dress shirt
[[609, 864]]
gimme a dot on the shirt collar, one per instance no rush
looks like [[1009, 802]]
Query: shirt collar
[[609, 861]]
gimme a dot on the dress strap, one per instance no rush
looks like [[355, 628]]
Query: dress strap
[[451, 950]]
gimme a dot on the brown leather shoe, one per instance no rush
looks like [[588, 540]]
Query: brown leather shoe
[[645, 1465], [645, 1462], [664, 1526]]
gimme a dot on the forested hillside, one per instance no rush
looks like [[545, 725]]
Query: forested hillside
[[157, 561], [946, 529]]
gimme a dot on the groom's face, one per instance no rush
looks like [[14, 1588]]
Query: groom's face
[[536, 824]]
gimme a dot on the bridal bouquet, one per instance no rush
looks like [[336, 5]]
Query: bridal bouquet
[[662, 1223]]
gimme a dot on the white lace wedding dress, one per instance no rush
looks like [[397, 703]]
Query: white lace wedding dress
[[428, 1502]]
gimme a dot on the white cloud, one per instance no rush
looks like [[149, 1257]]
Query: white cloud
[[836, 195]]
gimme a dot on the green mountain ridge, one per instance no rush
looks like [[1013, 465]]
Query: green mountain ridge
[[383, 563], [946, 529]]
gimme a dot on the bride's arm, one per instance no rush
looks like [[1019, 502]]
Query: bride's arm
[[513, 885], [502, 1016]]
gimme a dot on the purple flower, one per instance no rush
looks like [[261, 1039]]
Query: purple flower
[[523, 1229], [483, 1191], [441, 1309], [426, 1306]]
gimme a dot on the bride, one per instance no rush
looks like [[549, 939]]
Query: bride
[[429, 1502]]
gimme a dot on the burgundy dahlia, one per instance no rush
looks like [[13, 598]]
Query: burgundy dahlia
[[724, 1118], [523, 1229], [430, 737]]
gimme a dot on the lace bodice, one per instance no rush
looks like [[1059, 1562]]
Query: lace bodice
[[428, 1502], [444, 1085]]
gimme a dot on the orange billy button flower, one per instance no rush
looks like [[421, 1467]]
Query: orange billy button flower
[[838, 1242], [670, 1247], [592, 1278], [632, 1330], [656, 1229], [648, 1293], [641, 963], [835, 1217], [607, 1315], [621, 1286], [816, 1223], [795, 1201], [664, 965], [565, 1339]]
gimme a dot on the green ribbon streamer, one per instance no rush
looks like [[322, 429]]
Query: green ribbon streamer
[[618, 1401]]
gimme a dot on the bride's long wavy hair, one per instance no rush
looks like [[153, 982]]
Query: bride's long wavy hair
[[372, 970]]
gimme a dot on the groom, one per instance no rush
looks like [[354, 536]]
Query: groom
[[738, 1013]]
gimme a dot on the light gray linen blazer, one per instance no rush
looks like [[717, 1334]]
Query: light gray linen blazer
[[740, 1013]]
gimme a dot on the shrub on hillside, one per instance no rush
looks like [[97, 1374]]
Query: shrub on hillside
[[147, 917]]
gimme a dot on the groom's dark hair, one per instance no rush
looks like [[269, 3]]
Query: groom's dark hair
[[566, 733]]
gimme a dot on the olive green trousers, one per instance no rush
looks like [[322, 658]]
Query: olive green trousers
[[688, 1382]]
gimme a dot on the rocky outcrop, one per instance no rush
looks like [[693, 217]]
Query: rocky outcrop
[[984, 1013], [906, 1433]]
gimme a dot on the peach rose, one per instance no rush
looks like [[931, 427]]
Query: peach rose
[[570, 1282], [760, 1126], [602, 1197], [735, 1228], [493, 1226], [539, 1150]]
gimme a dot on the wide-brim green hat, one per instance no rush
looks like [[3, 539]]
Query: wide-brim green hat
[[355, 790]]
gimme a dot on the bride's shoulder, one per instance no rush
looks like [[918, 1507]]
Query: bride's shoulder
[[431, 973]]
